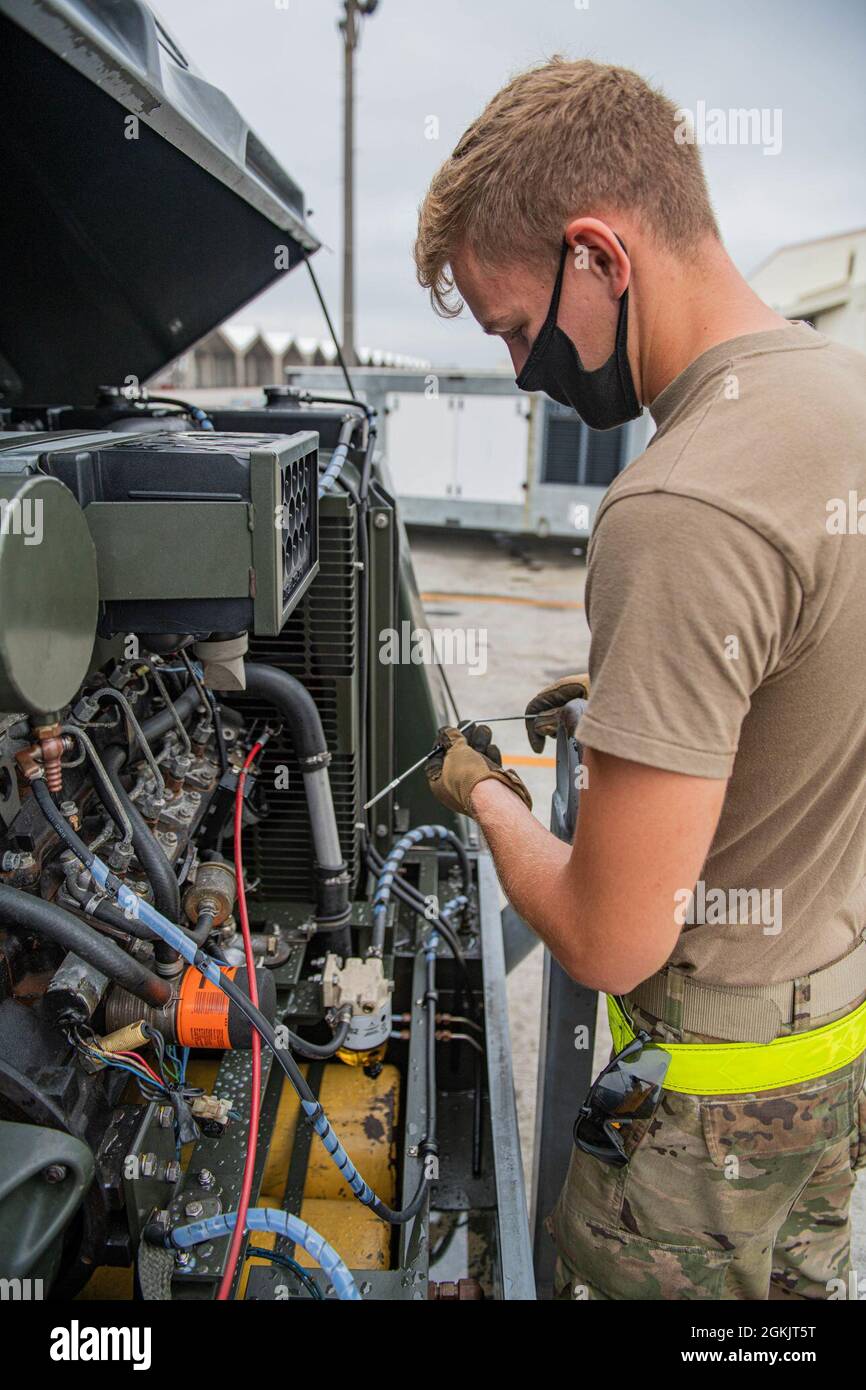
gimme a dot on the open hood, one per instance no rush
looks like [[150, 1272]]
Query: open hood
[[139, 209]]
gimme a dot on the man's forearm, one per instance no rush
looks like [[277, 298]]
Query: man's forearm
[[532, 866], [605, 906]]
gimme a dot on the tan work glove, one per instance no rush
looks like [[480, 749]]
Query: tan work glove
[[462, 761], [547, 704]]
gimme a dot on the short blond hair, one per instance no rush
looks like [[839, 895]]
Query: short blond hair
[[564, 140]]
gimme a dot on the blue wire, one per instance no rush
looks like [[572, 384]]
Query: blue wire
[[284, 1223], [133, 1071]]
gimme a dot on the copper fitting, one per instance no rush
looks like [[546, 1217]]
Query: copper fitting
[[52, 745], [29, 762]]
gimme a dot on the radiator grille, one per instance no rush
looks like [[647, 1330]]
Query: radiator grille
[[298, 517], [319, 645]]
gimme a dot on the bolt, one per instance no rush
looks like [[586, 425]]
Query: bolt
[[169, 837], [55, 1172], [11, 861], [183, 1258], [165, 1116], [172, 1171], [193, 1210], [148, 1165], [380, 521], [412, 1151], [206, 1179]]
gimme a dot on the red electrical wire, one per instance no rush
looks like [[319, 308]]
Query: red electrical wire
[[227, 1280], [138, 1058]]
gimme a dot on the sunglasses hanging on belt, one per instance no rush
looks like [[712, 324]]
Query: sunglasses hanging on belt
[[629, 1088]]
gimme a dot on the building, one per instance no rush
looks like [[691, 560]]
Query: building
[[239, 355], [822, 281]]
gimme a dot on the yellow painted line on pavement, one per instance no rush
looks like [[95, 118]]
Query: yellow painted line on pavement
[[504, 598]]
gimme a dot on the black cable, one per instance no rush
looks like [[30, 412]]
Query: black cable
[[287, 1262], [196, 414], [219, 731], [319, 1050], [331, 329], [419, 905]]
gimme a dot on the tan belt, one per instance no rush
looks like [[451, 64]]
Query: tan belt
[[750, 1013]]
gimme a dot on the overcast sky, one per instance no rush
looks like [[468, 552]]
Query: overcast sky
[[280, 61]]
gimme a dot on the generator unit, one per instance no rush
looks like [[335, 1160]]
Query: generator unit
[[253, 1036]]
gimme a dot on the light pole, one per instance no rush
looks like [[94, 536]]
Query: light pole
[[350, 26]]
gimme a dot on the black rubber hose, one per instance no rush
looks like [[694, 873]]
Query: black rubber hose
[[110, 914], [419, 905], [329, 1049], [338, 457], [149, 852], [47, 919], [295, 704], [158, 725], [462, 860], [298, 708], [202, 929]]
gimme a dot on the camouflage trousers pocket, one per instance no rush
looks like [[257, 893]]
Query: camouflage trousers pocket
[[798, 1120], [858, 1138], [604, 1262]]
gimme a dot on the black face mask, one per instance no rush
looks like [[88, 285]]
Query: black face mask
[[603, 398]]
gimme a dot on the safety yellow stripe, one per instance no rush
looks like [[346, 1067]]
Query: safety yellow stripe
[[735, 1068]]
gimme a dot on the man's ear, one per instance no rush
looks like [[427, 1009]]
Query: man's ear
[[596, 247]]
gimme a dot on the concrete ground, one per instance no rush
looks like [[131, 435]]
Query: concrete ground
[[528, 600]]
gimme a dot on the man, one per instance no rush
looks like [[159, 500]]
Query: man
[[717, 880]]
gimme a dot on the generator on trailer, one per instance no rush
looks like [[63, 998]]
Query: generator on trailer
[[253, 1039]]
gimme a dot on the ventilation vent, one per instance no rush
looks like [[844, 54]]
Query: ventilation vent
[[319, 645]]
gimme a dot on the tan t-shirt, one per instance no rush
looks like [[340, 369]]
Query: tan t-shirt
[[726, 596]]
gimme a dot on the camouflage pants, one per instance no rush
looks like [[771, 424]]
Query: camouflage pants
[[745, 1197]]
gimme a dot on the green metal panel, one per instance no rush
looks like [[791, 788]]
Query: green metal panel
[[167, 550], [48, 594]]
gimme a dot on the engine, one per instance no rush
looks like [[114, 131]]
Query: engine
[[253, 1036], [194, 725]]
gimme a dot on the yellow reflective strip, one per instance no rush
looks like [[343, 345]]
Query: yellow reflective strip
[[708, 1069]]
